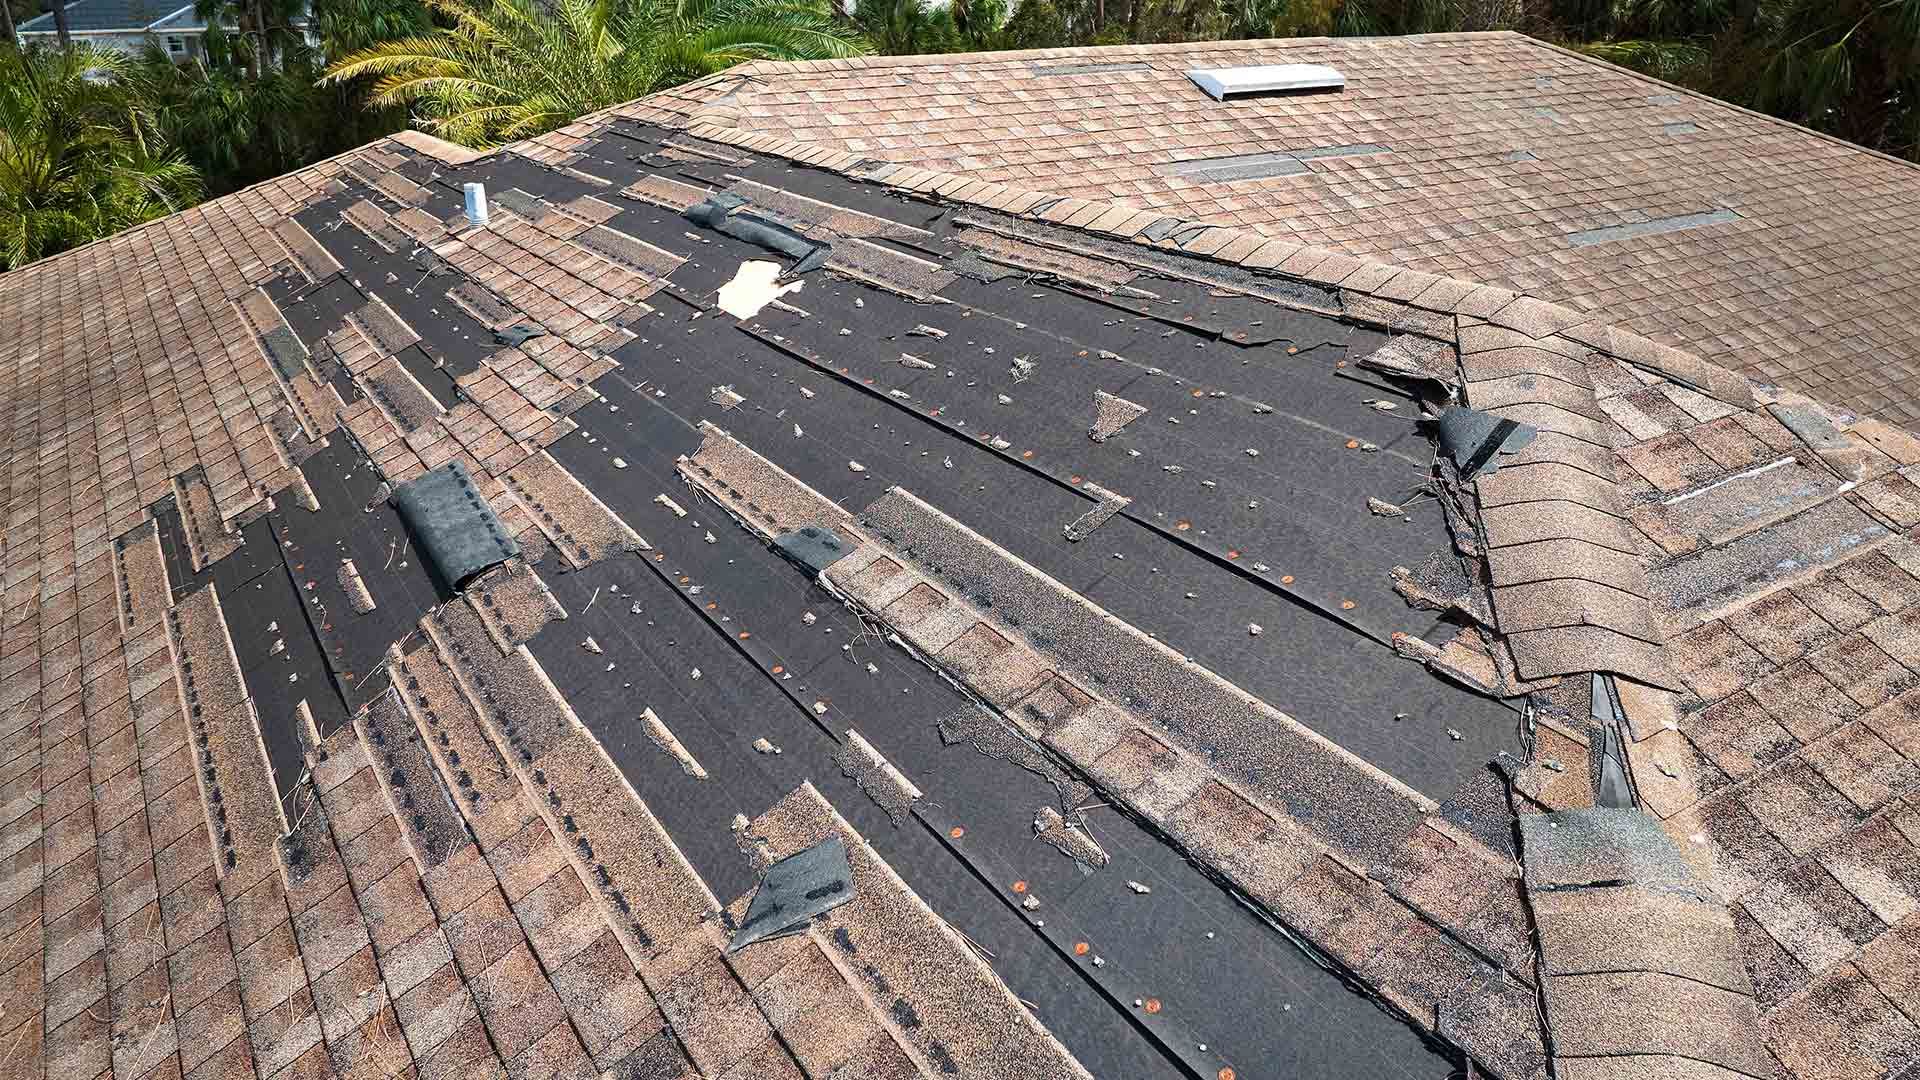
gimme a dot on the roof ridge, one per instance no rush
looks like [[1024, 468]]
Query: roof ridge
[[1174, 48], [168, 15], [984, 56]]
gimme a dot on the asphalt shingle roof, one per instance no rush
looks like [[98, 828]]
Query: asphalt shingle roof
[[1021, 510]]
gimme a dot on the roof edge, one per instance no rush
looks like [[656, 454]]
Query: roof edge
[[769, 67], [268, 184], [171, 14], [435, 147]]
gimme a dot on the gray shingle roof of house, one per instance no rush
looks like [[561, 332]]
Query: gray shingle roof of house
[[130, 16]]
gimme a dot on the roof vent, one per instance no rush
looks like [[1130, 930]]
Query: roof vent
[[1235, 82], [476, 205]]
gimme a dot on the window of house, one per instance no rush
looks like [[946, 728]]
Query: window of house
[[176, 46]]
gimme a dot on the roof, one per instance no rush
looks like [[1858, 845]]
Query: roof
[[122, 16], [1089, 575], [1492, 157], [187, 19]]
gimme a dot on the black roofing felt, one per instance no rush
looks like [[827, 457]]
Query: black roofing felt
[[1349, 693], [736, 700], [274, 636], [382, 548], [1197, 557]]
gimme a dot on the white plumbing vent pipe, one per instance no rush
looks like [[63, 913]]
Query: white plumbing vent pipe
[[477, 205]]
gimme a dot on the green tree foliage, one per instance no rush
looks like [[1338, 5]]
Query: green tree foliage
[[1035, 24], [1850, 67], [906, 27], [80, 154], [237, 129], [1847, 67], [507, 69], [255, 33], [977, 23], [346, 27]]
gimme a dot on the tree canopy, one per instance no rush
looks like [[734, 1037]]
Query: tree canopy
[[81, 153], [498, 70]]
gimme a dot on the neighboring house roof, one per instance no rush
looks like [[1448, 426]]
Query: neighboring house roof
[[186, 20], [118, 16], [421, 642], [1499, 159]]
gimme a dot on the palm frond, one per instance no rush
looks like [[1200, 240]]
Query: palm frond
[[504, 69]]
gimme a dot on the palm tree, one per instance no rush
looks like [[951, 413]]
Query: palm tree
[[61, 25], [1850, 67], [79, 156], [905, 27], [348, 26], [265, 32], [508, 69], [234, 129]]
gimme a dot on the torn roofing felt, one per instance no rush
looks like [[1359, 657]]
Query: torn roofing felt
[[797, 888], [721, 212], [812, 547], [453, 524], [1475, 439], [1613, 787], [518, 334]]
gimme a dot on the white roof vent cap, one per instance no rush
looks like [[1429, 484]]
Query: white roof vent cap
[[1224, 83], [476, 195]]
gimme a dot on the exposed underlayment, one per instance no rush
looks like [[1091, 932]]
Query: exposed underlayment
[[1106, 68], [1081, 636], [1652, 226], [1217, 170]]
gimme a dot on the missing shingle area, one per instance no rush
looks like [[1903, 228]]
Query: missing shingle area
[[528, 206], [1289, 293], [1262, 166], [1651, 227], [1044, 70]]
